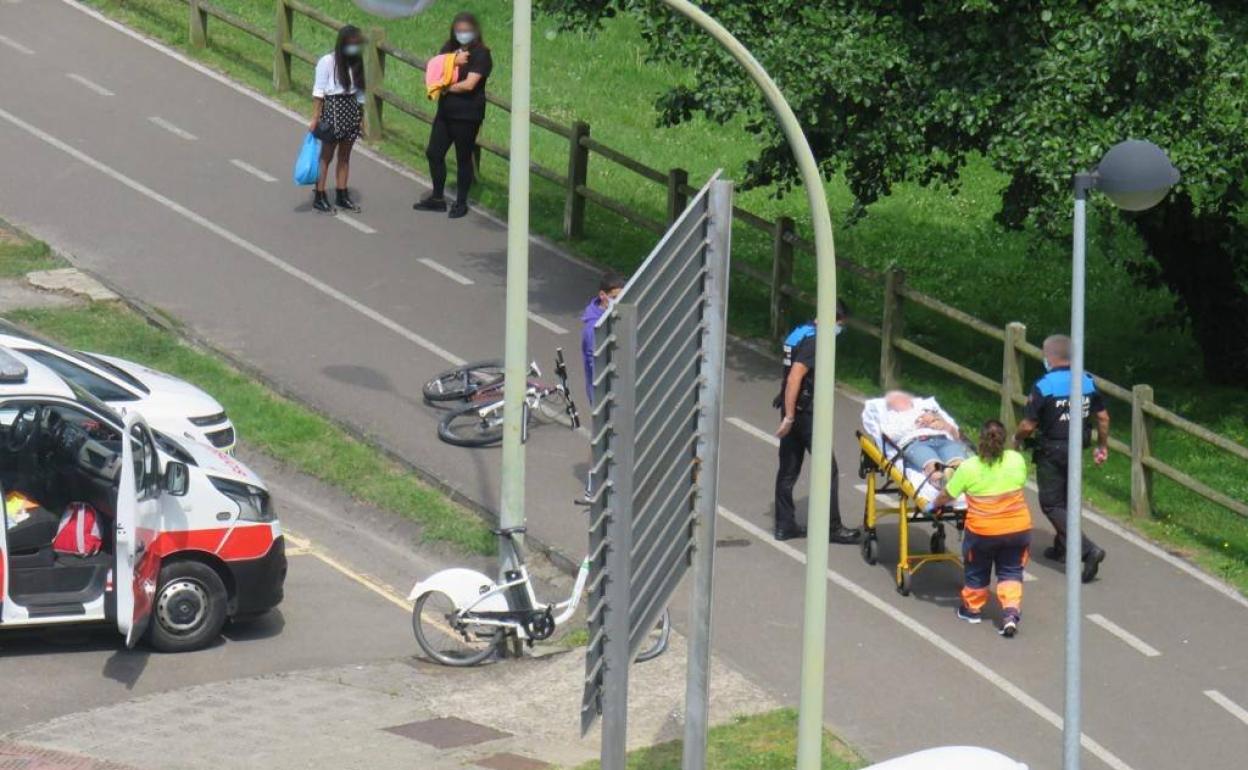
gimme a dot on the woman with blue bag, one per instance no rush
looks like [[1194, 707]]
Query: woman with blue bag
[[337, 113]]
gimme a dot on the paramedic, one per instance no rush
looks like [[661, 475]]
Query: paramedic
[[796, 402], [998, 526], [609, 288], [1048, 411]]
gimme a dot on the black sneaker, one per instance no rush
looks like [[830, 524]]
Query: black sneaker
[[1092, 564], [790, 533], [430, 203], [845, 536], [343, 199], [320, 202], [458, 210], [1009, 625], [969, 615]]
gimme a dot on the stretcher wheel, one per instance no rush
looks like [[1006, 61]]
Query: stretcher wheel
[[903, 583], [870, 550], [938, 541]]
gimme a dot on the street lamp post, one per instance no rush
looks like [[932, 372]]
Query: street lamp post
[[1135, 175]]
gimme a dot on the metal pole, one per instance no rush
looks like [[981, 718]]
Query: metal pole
[[698, 677], [814, 623], [1071, 729], [515, 362]]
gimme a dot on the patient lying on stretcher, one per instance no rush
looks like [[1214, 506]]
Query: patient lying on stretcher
[[927, 436]]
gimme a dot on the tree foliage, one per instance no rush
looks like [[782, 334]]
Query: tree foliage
[[896, 91]]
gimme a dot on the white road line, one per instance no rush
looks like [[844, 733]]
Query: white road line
[[936, 640], [90, 85], [1237, 711], [757, 433], [546, 323], [250, 169], [1133, 641], [237, 240], [181, 133], [16, 46], [444, 270], [357, 224]]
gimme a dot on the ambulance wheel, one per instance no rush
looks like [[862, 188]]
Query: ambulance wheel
[[938, 541], [870, 550], [903, 584], [188, 610]]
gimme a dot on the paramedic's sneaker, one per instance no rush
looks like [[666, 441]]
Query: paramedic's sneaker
[[458, 210], [430, 203], [790, 533], [969, 615], [1092, 564], [844, 535], [1009, 625]]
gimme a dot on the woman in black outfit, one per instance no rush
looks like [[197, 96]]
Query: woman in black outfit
[[337, 113], [461, 111]]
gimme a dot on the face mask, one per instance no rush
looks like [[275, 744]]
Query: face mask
[[839, 328], [464, 38], [351, 50], [1048, 367]]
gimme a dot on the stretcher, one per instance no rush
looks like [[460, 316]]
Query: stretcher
[[883, 468]]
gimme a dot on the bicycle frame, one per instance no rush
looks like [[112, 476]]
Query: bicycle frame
[[566, 608]]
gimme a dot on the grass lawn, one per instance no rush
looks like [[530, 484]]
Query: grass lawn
[[761, 742], [948, 244], [20, 255]]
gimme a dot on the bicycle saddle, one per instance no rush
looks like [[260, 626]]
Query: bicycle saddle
[[509, 531]]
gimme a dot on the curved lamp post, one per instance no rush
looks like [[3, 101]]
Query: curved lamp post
[[1135, 175], [810, 726]]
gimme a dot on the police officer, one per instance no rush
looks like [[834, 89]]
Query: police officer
[[796, 403], [1048, 410]]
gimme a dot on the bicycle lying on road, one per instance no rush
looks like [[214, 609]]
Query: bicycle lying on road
[[480, 422], [462, 618]]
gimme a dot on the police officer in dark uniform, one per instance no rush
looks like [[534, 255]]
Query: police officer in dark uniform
[[1048, 410], [796, 403]]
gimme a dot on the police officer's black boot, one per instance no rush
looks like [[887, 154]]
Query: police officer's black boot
[[790, 532], [844, 535]]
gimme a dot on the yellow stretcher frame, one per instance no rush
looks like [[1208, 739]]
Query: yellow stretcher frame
[[885, 475]]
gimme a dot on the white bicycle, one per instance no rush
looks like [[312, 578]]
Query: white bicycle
[[462, 618]]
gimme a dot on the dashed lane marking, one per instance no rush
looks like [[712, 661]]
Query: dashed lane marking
[[177, 131], [16, 46], [250, 169], [438, 267], [237, 240], [89, 84], [757, 433], [1130, 639], [945, 646], [1236, 710], [357, 224], [547, 324]]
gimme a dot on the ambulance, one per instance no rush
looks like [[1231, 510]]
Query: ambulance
[[107, 521]]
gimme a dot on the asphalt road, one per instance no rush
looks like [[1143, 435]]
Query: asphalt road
[[174, 186]]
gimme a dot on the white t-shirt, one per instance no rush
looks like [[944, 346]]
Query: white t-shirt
[[326, 82], [903, 427]]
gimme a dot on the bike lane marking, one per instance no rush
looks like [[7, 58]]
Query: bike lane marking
[[176, 130], [1128, 638], [438, 267], [88, 84], [547, 324], [936, 640], [16, 46], [235, 239], [1236, 710], [250, 169], [353, 222]]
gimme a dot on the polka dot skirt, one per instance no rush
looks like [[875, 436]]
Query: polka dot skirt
[[341, 118]]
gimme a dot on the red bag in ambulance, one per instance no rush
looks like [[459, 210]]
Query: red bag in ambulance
[[79, 532]]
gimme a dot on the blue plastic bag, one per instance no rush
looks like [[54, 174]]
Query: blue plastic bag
[[307, 164]]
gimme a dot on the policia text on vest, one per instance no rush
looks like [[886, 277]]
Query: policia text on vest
[[795, 402]]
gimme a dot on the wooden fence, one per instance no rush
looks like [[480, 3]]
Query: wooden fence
[[1009, 388]]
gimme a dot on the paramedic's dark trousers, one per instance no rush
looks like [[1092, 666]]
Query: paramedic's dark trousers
[[793, 449], [462, 135], [1051, 469]]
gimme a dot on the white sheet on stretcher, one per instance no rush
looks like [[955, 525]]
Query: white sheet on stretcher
[[872, 418]]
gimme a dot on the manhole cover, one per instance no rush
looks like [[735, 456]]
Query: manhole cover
[[447, 732], [16, 756]]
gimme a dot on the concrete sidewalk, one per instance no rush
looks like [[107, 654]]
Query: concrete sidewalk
[[396, 715]]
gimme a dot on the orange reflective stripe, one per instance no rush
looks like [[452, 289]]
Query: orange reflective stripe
[[974, 598], [997, 514], [1010, 594]]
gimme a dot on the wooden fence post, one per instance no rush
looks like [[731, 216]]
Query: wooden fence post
[[374, 79], [198, 25], [578, 169], [781, 273], [1141, 438], [284, 30], [1012, 373], [891, 328], [677, 179]]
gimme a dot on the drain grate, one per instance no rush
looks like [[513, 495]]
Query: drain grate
[[447, 732]]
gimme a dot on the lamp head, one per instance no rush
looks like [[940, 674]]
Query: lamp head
[[393, 9], [1136, 175]]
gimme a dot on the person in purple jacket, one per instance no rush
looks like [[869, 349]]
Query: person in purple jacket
[[609, 289]]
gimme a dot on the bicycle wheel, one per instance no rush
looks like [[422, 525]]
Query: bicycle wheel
[[553, 407], [460, 384], [473, 426], [655, 644], [447, 640]]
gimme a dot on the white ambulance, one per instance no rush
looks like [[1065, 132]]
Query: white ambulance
[[161, 537]]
